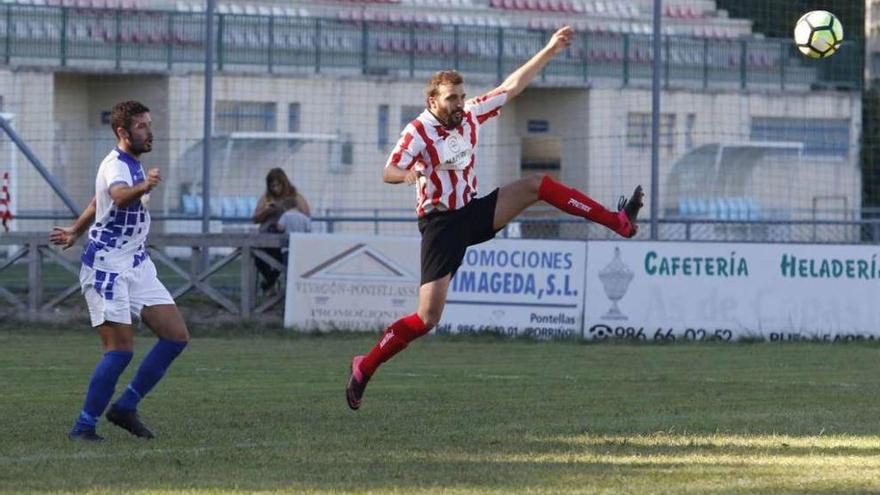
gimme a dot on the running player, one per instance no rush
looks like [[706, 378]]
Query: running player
[[436, 151], [118, 278]]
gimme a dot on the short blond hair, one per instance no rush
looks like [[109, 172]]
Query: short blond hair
[[441, 78]]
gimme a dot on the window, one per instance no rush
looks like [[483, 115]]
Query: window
[[690, 125], [347, 153], [244, 116], [820, 137], [293, 117], [382, 125], [408, 113], [638, 131], [293, 125]]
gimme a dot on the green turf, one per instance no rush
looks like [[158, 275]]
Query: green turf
[[462, 416]]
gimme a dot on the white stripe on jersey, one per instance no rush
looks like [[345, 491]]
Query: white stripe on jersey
[[446, 156]]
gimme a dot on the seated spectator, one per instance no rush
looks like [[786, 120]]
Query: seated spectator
[[268, 213], [293, 220]]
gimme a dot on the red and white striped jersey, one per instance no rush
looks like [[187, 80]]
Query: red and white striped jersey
[[446, 156]]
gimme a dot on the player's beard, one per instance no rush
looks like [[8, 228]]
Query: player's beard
[[141, 147], [453, 119]]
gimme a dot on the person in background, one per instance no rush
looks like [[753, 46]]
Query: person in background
[[268, 213], [293, 220]]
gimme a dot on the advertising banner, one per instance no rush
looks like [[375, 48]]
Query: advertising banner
[[347, 282], [514, 287], [701, 291], [518, 287]]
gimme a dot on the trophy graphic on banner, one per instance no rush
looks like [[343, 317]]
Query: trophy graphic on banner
[[615, 278]]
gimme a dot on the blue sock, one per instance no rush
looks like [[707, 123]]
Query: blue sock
[[148, 375], [101, 387]]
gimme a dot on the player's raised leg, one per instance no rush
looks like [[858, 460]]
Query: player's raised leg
[[398, 335], [167, 323], [517, 196], [117, 341]]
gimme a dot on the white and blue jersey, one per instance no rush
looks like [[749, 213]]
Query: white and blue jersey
[[117, 277], [117, 238]]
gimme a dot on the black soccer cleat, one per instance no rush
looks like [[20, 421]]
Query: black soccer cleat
[[88, 435], [357, 383], [629, 212], [129, 421]]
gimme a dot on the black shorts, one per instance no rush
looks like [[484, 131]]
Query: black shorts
[[446, 235]]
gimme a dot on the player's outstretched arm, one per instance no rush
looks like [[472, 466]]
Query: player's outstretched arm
[[394, 175], [523, 76], [67, 236]]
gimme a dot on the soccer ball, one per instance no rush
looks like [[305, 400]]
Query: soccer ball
[[818, 34]]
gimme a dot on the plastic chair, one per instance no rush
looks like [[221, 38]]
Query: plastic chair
[[228, 206], [242, 207], [721, 209], [189, 204]]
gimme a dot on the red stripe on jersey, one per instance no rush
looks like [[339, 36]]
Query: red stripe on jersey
[[412, 162], [488, 115], [467, 182], [490, 94], [473, 133], [395, 158], [469, 186], [429, 144], [420, 208], [438, 188], [453, 179]]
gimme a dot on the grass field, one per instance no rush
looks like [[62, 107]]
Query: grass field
[[452, 415]]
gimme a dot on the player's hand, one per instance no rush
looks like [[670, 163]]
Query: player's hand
[[413, 176], [561, 39], [154, 177], [63, 236]]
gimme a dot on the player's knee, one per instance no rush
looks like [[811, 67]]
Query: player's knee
[[534, 182], [181, 335], [118, 343], [175, 333], [430, 317]]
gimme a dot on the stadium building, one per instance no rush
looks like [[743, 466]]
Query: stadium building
[[749, 128]]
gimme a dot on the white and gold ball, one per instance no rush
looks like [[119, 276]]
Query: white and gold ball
[[818, 34]]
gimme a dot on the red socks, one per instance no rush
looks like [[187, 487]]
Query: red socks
[[577, 203], [395, 339]]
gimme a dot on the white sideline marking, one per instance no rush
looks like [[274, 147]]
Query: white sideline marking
[[477, 375], [498, 377], [95, 454], [417, 375], [36, 368]]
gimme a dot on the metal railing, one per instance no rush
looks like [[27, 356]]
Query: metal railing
[[34, 293], [544, 225], [33, 250], [167, 41]]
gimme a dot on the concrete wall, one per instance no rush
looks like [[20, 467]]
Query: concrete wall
[[60, 116]]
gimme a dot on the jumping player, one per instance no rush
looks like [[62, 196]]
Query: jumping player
[[118, 278], [436, 151]]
